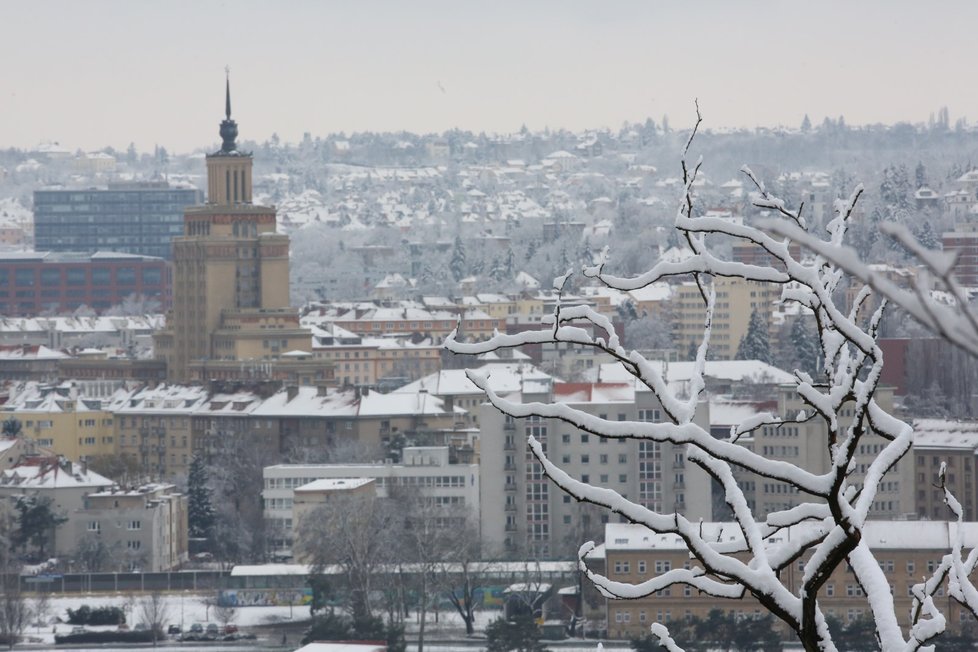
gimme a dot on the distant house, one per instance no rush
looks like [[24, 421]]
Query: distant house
[[924, 197]]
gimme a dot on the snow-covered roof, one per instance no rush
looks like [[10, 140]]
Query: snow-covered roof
[[334, 484], [682, 372], [880, 535], [653, 292], [942, 433], [724, 412], [342, 647], [504, 377], [51, 473], [310, 402]]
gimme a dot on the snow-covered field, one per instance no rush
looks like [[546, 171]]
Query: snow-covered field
[[187, 609]]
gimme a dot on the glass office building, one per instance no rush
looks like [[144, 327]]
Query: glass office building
[[134, 218]]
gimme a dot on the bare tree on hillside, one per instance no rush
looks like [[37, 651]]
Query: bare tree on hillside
[[827, 526]]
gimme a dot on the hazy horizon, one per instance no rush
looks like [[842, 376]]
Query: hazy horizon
[[107, 73]]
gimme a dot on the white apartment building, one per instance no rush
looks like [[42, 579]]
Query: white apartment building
[[426, 468]]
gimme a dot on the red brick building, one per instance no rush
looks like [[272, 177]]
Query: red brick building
[[35, 282]]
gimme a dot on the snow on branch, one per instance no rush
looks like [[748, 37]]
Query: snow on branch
[[824, 530]]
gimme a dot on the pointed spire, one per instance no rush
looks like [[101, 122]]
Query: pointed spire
[[227, 95], [229, 128]]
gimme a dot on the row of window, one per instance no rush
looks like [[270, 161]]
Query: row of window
[[79, 276]]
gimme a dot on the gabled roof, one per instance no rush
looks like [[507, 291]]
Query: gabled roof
[[51, 473]]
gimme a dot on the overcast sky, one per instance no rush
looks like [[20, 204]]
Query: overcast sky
[[90, 74]]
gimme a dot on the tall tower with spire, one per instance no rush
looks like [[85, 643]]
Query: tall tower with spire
[[231, 316]]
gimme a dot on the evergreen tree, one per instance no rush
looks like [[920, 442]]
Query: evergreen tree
[[200, 511], [921, 175], [924, 232], [520, 634], [806, 124], [457, 264], [755, 345], [510, 263], [36, 522], [11, 428], [804, 340]]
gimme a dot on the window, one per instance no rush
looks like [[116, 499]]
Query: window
[[135, 525], [125, 275], [50, 277], [134, 544], [24, 278], [75, 276], [585, 439], [94, 526], [585, 459], [101, 276], [641, 567], [152, 276]]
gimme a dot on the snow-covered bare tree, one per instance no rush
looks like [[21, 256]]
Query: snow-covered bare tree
[[936, 299], [826, 526]]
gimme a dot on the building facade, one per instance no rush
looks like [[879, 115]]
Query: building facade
[[140, 529], [524, 513], [32, 283], [231, 281], [136, 218], [427, 468], [906, 550]]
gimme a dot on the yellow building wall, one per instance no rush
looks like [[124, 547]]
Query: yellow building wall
[[76, 435]]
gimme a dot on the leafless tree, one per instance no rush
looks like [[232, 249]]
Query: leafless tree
[[224, 612], [464, 572], [14, 608], [40, 608], [353, 533], [153, 612], [827, 525]]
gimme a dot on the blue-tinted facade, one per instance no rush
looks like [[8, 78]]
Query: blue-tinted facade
[[134, 218]]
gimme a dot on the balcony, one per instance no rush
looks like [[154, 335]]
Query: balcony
[[509, 426], [509, 466], [510, 487], [509, 445], [510, 507], [511, 527]]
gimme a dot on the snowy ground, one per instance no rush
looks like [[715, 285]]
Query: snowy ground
[[187, 609]]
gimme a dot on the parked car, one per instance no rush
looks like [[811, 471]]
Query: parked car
[[230, 628], [173, 629], [197, 628], [213, 629], [78, 630]]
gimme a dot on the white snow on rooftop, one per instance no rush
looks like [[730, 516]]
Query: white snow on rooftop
[[889, 535], [335, 484], [504, 377]]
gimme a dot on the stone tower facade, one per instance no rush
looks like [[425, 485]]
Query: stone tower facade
[[231, 318]]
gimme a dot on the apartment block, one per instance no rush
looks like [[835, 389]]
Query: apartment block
[[907, 551], [524, 513], [426, 468], [140, 529], [736, 299]]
